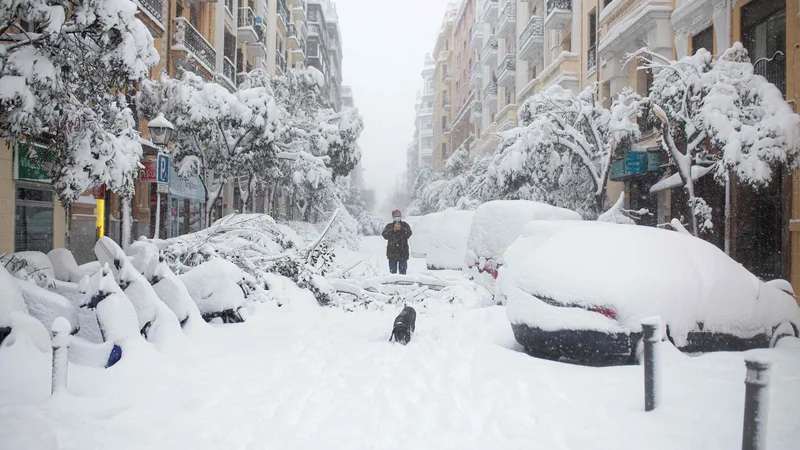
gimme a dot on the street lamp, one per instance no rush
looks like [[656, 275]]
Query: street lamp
[[160, 131]]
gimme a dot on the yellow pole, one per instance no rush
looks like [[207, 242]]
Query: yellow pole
[[101, 216]]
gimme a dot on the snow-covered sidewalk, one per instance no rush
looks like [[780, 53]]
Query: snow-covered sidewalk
[[305, 377]]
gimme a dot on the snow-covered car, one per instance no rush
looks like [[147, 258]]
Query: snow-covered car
[[447, 241], [497, 224], [580, 292], [422, 227]]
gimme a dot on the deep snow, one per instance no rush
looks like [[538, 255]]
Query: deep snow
[[305, 377]]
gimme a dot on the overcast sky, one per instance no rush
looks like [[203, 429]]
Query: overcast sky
[[384, 47]]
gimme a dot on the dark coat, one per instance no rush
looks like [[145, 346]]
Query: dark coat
[[397, 248]]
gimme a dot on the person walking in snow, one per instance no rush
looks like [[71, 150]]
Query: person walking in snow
[[397, 233]]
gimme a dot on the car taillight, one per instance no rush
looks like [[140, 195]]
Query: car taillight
[[606, 312]]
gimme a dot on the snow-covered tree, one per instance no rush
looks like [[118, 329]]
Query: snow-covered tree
[[316, 144], [561, 152], [63, 84], [218, 134], [718, 114]]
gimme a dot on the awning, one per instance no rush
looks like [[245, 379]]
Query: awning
[[674, 180]]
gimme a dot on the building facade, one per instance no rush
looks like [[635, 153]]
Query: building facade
[[520, 47], [219, 41], [443, 88]]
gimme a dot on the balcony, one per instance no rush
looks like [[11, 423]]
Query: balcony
[[446, 75], [531, 41], [564, 71], [258, 48], [246, 31], [444, 55], [626, 21], [507, 118], [191, 49], [280, 62], [490, 51], [476, 75], [292, 38], [228, 73], [446, 103], [774, 70], [283, 14], [490, 94], [152, 15], [476, 37], [490, 11], [507, 71], [446, 129], [300, 51], [476, 113], [591, 58], [507, 25], [559, 14], [299, 12]]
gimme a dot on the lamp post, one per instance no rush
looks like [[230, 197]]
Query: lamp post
[[160, 131]]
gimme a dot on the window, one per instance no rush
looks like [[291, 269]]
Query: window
[[591, 57], [33, 219], [444, 150], [703, 39], [764, 36], [427, 142], [444, 122]]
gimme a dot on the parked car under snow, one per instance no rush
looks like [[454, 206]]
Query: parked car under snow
[[580, 290], [498, 223]]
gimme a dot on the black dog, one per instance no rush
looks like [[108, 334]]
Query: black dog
[[404, 325]]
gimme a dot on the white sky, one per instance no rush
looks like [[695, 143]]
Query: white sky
[[384, 47]]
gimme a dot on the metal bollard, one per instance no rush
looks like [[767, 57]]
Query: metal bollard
[[651, 329], [60, 329], [756, 404]]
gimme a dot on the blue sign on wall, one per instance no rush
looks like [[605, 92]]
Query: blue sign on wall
[[163, 169]]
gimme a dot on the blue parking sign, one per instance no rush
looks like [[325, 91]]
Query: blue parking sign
[[163, 169]]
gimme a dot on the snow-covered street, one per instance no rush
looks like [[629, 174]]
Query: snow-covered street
[[306, 377]]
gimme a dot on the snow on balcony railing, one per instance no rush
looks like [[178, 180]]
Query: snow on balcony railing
[[535, 28], [491, 45], [559, 5], [188, 38], [487, 9], [283, 12], [153, 7], [509, 64], [490, 90], [591, 58], [228, 69], [508, 18], [247, 17], [476, 34], [773, 69]]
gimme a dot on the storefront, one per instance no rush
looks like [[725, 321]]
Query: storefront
[[33, 219], [184, 205]]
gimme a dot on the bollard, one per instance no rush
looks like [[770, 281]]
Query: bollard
[[756, 404], [651, 330], [60, 329]]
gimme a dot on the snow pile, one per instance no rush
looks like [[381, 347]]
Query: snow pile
[[118, 319], [682, 279], [497, 224], [31, 266], [448, 240], [11, 299]]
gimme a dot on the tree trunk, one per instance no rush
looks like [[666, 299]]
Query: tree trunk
[[126, 222]]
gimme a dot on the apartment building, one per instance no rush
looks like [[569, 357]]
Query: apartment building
[[463, 132], [424, 121], [443, 88], [325, 47]]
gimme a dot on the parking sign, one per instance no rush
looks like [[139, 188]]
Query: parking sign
[[163, 169]]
